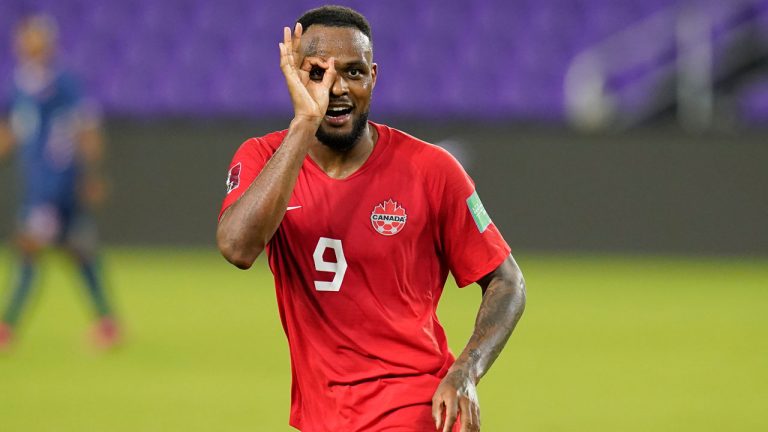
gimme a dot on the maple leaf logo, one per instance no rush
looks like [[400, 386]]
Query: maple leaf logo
[[388, 218]]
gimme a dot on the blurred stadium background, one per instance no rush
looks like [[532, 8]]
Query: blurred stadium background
[[620, 145]]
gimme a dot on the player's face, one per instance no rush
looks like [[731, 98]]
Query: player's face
[[34, 43], [350, 96]]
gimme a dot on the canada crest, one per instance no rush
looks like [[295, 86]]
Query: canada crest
[[233, 178], [388, 218]]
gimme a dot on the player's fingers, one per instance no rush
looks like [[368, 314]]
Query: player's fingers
[[283, 56], [303, 77], [437, 411], [282, 53], [475, 409], [309, 62], [296, 42], [288, 42], [287, 39], [289, 72], [451, 411], [285, 61], [466, 416], [330, 74], [470, 419], [307, 66]]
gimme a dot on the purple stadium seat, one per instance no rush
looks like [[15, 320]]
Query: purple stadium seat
[[196, 57]]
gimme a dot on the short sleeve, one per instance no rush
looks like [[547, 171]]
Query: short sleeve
[[247, 163], [471, 243]]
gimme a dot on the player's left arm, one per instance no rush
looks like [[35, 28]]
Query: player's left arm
[[90, 138], [500, 310]]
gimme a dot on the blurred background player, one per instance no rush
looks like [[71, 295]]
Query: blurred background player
[[60, 149]]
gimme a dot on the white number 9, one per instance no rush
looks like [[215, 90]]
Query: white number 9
[[339, 267]]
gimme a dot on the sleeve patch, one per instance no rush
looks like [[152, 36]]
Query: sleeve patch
[[233, 179], [482, 220]]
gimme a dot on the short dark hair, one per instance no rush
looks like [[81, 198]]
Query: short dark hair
[[336, 16]]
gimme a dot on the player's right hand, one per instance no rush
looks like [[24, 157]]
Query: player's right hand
[[310, 81], [456, 400]]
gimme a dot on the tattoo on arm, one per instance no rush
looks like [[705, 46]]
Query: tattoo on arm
[[500, 310], [475, 355]]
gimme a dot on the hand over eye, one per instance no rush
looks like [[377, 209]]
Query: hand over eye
[[308, 84], [316, 73]]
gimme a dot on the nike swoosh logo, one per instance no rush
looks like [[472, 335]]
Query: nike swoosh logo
[[292, 208]]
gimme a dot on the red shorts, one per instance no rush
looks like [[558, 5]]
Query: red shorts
[[415, 418], [385, 405]]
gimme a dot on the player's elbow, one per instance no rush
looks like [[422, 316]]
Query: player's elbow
[[239, 258], [243, 263], [235, 251]]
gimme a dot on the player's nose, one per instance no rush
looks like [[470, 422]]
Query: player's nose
[[340, 87]]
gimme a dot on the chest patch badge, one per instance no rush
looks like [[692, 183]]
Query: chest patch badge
[[388, 218], [233, 179]]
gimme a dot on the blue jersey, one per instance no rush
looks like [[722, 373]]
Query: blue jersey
[[46, 117]]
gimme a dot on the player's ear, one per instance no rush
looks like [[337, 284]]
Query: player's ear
[[374, 73]]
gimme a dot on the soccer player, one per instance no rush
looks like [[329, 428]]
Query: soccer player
[[60, 148], [362, 224]]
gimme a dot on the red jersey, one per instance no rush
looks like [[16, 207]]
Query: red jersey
[[359, 266]]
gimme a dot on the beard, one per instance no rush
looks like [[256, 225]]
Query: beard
[[342, 143]]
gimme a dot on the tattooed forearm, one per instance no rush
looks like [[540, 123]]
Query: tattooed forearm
[[502, 306]]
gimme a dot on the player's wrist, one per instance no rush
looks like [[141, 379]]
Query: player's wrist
[[305, 122], [463, 371]]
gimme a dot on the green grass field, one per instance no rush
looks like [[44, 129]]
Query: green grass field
[[606, 344]]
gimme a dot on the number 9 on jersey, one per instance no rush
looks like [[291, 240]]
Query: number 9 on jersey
[[338, 268]]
